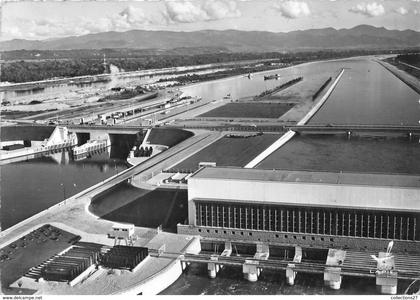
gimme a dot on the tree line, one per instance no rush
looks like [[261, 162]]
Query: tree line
[[34, 70], [24, 71]]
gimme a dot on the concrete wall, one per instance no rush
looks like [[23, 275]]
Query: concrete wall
[[312, 194], [97, 135], [304, 240]]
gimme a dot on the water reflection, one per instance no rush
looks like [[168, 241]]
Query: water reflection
[[369, 94], [230, 281], [73, 90], [31, 186], [366, 94]]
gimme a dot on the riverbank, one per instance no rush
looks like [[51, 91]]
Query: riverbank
[[408, 79], [74, 210], [91, 229], [290, 134]]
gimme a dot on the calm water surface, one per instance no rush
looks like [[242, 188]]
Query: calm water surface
[[369, 94], [62, 91], [230, 281], [29, 187], [366, 94]]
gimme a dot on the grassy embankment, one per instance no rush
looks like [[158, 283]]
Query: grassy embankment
[[227, 151]]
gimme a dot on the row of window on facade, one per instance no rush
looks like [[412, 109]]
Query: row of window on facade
[[341, 222]]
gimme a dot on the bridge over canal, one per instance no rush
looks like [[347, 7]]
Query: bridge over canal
[[357, 129]]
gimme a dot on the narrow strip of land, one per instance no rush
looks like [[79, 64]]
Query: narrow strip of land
[[408, 65], [408, 79], [67, 208], [288, 135]]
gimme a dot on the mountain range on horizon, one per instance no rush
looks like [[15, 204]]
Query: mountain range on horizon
[[362, 36]]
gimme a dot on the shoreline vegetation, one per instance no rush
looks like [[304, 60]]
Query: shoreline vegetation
[[195, 78], [19, 70]]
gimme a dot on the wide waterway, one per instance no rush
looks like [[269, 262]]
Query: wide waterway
[[356, 100], [369, 94], [77, 91], [366, 94]]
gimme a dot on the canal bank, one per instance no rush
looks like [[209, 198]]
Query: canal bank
[[145, 235], [290, 134], [408, 79], [91, 228], [24, 191]]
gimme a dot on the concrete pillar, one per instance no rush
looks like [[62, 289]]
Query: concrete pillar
[[332, 273], [250, 270], [387, 282], [212, 267], [332, 277], [386, 276], [290, 273], [263, 252], [227, 251]]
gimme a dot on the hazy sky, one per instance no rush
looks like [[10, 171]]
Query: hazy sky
[[44, 19]]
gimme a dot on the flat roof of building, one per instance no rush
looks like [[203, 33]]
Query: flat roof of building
[[343, 178]]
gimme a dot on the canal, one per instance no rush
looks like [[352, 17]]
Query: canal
[[369, 94], [29, 187], [366, 94]]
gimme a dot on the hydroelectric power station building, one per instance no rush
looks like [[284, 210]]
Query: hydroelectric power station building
[[355, 213]]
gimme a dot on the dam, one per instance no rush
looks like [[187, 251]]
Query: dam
[[268, 233]]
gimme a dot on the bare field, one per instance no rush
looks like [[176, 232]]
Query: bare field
[[25, 132], [338, 154], [168, 136], [249, 110], [227, 151]]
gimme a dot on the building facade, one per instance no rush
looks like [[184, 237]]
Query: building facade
[[310, 209]]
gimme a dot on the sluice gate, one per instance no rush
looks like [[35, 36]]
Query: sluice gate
[[349, 263]]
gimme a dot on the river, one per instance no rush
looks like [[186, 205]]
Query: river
[[366, 94], [75, 91]]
